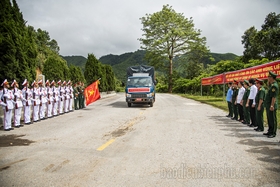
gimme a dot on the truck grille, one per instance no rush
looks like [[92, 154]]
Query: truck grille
[[138, 95]]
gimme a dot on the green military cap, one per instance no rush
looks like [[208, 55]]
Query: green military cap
[[259, 81], [271, 74], [247, 82]]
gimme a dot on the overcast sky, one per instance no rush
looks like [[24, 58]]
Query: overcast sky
[[106, 27]]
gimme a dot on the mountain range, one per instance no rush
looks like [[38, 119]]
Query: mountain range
[[121, 62]]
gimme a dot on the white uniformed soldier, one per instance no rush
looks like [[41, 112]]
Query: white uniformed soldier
[[55, 98], [61, 92], [27, 95], [36, 101], [18, 99], [71, 96], [1, 94], [67, 97], [7, 98], [49, 99], [43, 100]]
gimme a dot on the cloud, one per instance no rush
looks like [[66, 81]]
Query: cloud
[[106, 27]]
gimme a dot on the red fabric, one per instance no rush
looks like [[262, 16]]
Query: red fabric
[[92, 93], [216, 79], [260, 72]]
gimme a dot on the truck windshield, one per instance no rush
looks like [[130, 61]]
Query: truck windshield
[[139, 81]]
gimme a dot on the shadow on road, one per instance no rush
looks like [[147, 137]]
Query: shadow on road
[[14, 140], [265, 150], [123, 104]]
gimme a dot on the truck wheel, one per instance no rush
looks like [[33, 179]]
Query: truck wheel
[[129, 104], [151, 104]]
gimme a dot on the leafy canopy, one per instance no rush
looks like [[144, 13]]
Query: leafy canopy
[[168, 34]]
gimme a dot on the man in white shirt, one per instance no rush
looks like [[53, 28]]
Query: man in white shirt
[[251, 102], [241, 92]]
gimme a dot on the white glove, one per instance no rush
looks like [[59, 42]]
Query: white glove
[[3, 104]]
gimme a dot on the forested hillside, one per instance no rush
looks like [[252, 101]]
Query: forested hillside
[[121, 62], [79, 61]]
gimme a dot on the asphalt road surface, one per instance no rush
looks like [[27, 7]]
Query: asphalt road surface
[[178, 142]]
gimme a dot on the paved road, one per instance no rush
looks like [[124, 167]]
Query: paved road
[[178, 142]]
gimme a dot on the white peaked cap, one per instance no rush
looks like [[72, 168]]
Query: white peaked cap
[[24, 82], [14, 82], [4, 82]]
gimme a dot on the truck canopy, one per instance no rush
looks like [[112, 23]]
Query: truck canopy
[[133, 70]]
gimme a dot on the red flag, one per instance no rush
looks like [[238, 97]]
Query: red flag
[[92, 93]]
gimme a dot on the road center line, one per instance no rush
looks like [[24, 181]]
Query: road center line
[[105, 145]]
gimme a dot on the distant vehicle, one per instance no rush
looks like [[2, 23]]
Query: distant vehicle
[[140, 86]]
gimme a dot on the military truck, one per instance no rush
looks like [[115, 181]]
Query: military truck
[[140, 86]]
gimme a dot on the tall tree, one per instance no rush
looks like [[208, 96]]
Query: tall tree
[[55, 68], [17, 48], [168, 34], [92, 69], [264, 43], [251, 44], [110, 78], [75, 74]]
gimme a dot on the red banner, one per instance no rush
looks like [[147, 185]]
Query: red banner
[[216, 79], [260, 72], [92, 93]]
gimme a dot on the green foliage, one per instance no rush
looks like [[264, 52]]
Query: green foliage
[[75, 74], [95, 70], [79, 61], [110, 78], [256, 62], [217, 57], [55, 68], [120, 63], [263, 43], [168, 34], [92, 69], [226, 66], [46, 47], [17, 47]]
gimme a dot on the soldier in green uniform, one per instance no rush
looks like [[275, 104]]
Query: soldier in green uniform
[[79, 88], [83, 97], [271, 105], [260, 97], [246, 109], [76, 94], [233, 101]]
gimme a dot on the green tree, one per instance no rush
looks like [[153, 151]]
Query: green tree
[[75, 74], [103, 82], [46, 47], [92, 69], [17, 48], [168, 34], [226, 66], [110, 78], [55, 68], [263, 43]]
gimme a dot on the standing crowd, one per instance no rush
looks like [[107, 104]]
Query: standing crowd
[[247, 101], [38, 102]]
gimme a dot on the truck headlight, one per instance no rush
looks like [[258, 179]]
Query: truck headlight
[[150, 95], [128, 95]]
